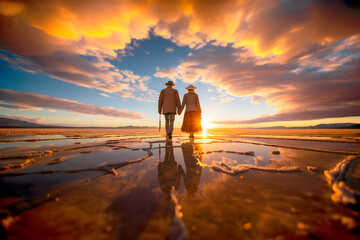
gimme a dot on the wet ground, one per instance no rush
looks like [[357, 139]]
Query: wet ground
[[224, 185]]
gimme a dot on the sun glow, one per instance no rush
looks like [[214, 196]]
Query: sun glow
[[206, 124]]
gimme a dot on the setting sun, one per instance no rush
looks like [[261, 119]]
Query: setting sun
[[164, 109], [205, 123]]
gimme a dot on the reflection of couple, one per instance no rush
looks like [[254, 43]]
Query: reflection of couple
[[170, 172], [169, 102]]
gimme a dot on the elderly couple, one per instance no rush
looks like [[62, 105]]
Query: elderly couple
[[169, 102]]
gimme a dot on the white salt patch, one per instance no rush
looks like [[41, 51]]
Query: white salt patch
[[113, 171], [231, 171], [336, 179], [312, 169], [249, 153], [243, 168]]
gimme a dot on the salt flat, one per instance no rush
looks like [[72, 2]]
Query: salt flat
[[235, 184]]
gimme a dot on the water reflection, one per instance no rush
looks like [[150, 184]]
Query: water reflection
[[170, 172], [193, 170], [130, 205]]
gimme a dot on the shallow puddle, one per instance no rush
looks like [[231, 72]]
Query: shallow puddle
[[30, 138], [141, 187]]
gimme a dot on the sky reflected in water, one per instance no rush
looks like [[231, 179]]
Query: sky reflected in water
[[129, 188]]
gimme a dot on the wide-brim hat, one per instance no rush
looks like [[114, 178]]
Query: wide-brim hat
[[170, 83], [190, 87]]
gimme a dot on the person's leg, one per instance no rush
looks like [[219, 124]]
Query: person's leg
[[171, 127], [167, 116], [172, 118]]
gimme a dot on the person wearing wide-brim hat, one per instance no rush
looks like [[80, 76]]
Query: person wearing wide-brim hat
[[169, 104], [192, 118]]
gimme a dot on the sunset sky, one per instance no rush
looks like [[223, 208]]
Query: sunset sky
[[254, 63]]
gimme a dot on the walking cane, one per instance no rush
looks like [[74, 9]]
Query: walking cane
[[159, 122]]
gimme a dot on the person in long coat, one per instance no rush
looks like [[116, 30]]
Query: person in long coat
[[168, 171], [192, 118], [193, 170], [169, 103]]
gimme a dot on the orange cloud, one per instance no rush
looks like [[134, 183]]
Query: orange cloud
[[269, 46], [31, 100], [23, 118], [273, 27], [299, 91], [17, 106]]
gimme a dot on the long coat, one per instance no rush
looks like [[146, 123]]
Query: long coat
[[169, 101], [192, 103]]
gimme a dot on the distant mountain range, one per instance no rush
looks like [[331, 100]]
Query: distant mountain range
[[13, 123], [321, 126]]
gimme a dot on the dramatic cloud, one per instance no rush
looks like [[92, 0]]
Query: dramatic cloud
[[168, 72], [85, 71], [17, 106], [24, 98], [299, 89], [284, 28], [270, 47], [274, 27], [22, 118], [53, 47]]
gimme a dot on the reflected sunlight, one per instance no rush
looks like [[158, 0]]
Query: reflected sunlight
[[206, 124]]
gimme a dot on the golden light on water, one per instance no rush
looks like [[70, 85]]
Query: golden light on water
[[206, 124]]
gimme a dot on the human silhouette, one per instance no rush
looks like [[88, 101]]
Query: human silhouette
[[169, 104], [193, 169], [192, 118], [168, 173]]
